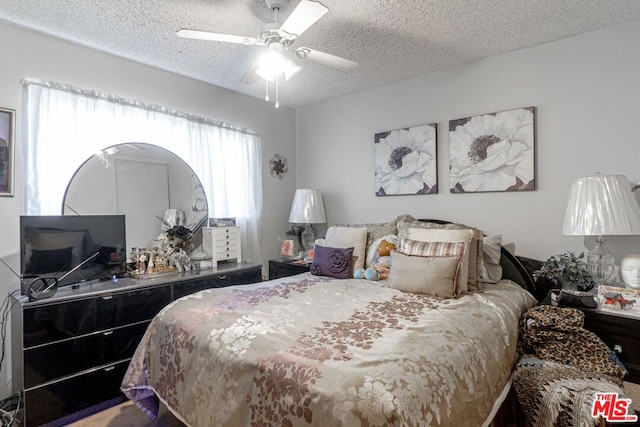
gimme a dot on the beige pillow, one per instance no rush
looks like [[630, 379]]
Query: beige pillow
[[438, 235], [349, 237], [424, 275], [434, 249], [407, 222]]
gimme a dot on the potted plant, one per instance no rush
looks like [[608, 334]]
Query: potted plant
[[566, 270]]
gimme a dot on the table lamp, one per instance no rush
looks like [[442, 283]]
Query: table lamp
[[308, 209], [601, 205]]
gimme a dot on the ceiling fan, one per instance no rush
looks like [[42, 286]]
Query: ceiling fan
[[274, 63]]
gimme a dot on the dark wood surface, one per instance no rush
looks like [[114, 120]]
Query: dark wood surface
[[283, 268]]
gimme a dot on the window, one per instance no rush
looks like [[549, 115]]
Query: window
[[67, 125]]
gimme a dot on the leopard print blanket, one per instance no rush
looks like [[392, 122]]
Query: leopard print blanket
[[562, 365], [557, 334]]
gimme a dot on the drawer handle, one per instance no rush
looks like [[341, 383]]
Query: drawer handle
[[222, 277], [106, 334], [109, 368], [617, 348], [108, 297]]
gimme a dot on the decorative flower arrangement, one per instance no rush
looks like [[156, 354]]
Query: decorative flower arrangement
[[566, 268], [179, 236]]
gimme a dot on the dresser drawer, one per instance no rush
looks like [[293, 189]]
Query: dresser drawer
[[620, 333], [62, 398], [50, 323], [242, 277], [56, 360]]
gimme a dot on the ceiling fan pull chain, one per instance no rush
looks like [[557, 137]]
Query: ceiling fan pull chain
[[277, 97], [266, 98]]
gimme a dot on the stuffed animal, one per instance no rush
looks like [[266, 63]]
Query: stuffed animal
[[385, 248], [379, 259]]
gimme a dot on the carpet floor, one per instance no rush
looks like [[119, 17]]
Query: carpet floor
[[127, 414]]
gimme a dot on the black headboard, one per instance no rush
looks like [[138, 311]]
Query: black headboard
[[512, 268]]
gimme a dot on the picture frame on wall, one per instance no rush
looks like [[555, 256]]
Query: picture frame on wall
[[7, 148], [493, 152], [406, 161]]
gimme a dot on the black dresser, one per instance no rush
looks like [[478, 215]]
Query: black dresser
[[70, 352]]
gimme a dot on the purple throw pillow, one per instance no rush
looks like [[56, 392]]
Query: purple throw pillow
[[332, 262]]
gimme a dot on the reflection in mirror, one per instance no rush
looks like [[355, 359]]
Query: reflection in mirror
[[141, 181]]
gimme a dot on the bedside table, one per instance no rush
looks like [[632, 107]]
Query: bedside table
[[620, 333], [283, 268]]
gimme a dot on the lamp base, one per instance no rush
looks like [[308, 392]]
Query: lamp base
[[600, 262], [308, 238]]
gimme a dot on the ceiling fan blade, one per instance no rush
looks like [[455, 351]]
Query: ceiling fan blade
[[303, 16], [326, 59], [216, 37], [251, 76], [290, 69]]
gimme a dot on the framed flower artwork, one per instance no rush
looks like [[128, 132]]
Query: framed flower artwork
[[493, 152], [405, 161]]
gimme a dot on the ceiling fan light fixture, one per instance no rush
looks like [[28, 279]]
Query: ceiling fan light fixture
[[270, 66]]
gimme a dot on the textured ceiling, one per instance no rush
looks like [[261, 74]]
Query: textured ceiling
[[391, 40]]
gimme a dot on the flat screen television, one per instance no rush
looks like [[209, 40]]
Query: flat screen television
[[53, 245]]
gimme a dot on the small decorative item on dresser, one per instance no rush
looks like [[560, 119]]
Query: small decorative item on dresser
[[222, 243], [566, 270], [288, 247], [630, 271], [222, 222]]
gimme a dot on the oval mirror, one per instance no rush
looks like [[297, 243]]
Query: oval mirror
[[141, 181]]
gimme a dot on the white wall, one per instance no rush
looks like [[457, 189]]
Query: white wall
[[28, 54], [586, 91]]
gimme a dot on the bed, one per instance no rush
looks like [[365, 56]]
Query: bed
[[316, 350]]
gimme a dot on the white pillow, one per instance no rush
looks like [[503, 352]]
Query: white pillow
[[491, 269], [442, 235], [349, 237]]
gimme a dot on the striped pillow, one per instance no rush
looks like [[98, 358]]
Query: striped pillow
[[434, 249]]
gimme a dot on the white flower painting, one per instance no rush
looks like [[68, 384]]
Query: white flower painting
[[405, 161], [492, 152]]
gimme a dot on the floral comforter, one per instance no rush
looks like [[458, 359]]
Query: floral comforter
[[309, 350]]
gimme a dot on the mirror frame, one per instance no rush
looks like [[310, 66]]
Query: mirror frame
[[197, 229]]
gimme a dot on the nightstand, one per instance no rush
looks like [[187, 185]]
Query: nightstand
[[283, 268], [619, 332]]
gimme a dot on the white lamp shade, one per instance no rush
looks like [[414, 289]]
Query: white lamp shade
[[307, 207], [601, 205]]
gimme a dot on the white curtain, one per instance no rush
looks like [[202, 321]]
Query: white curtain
[[65, 126]]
